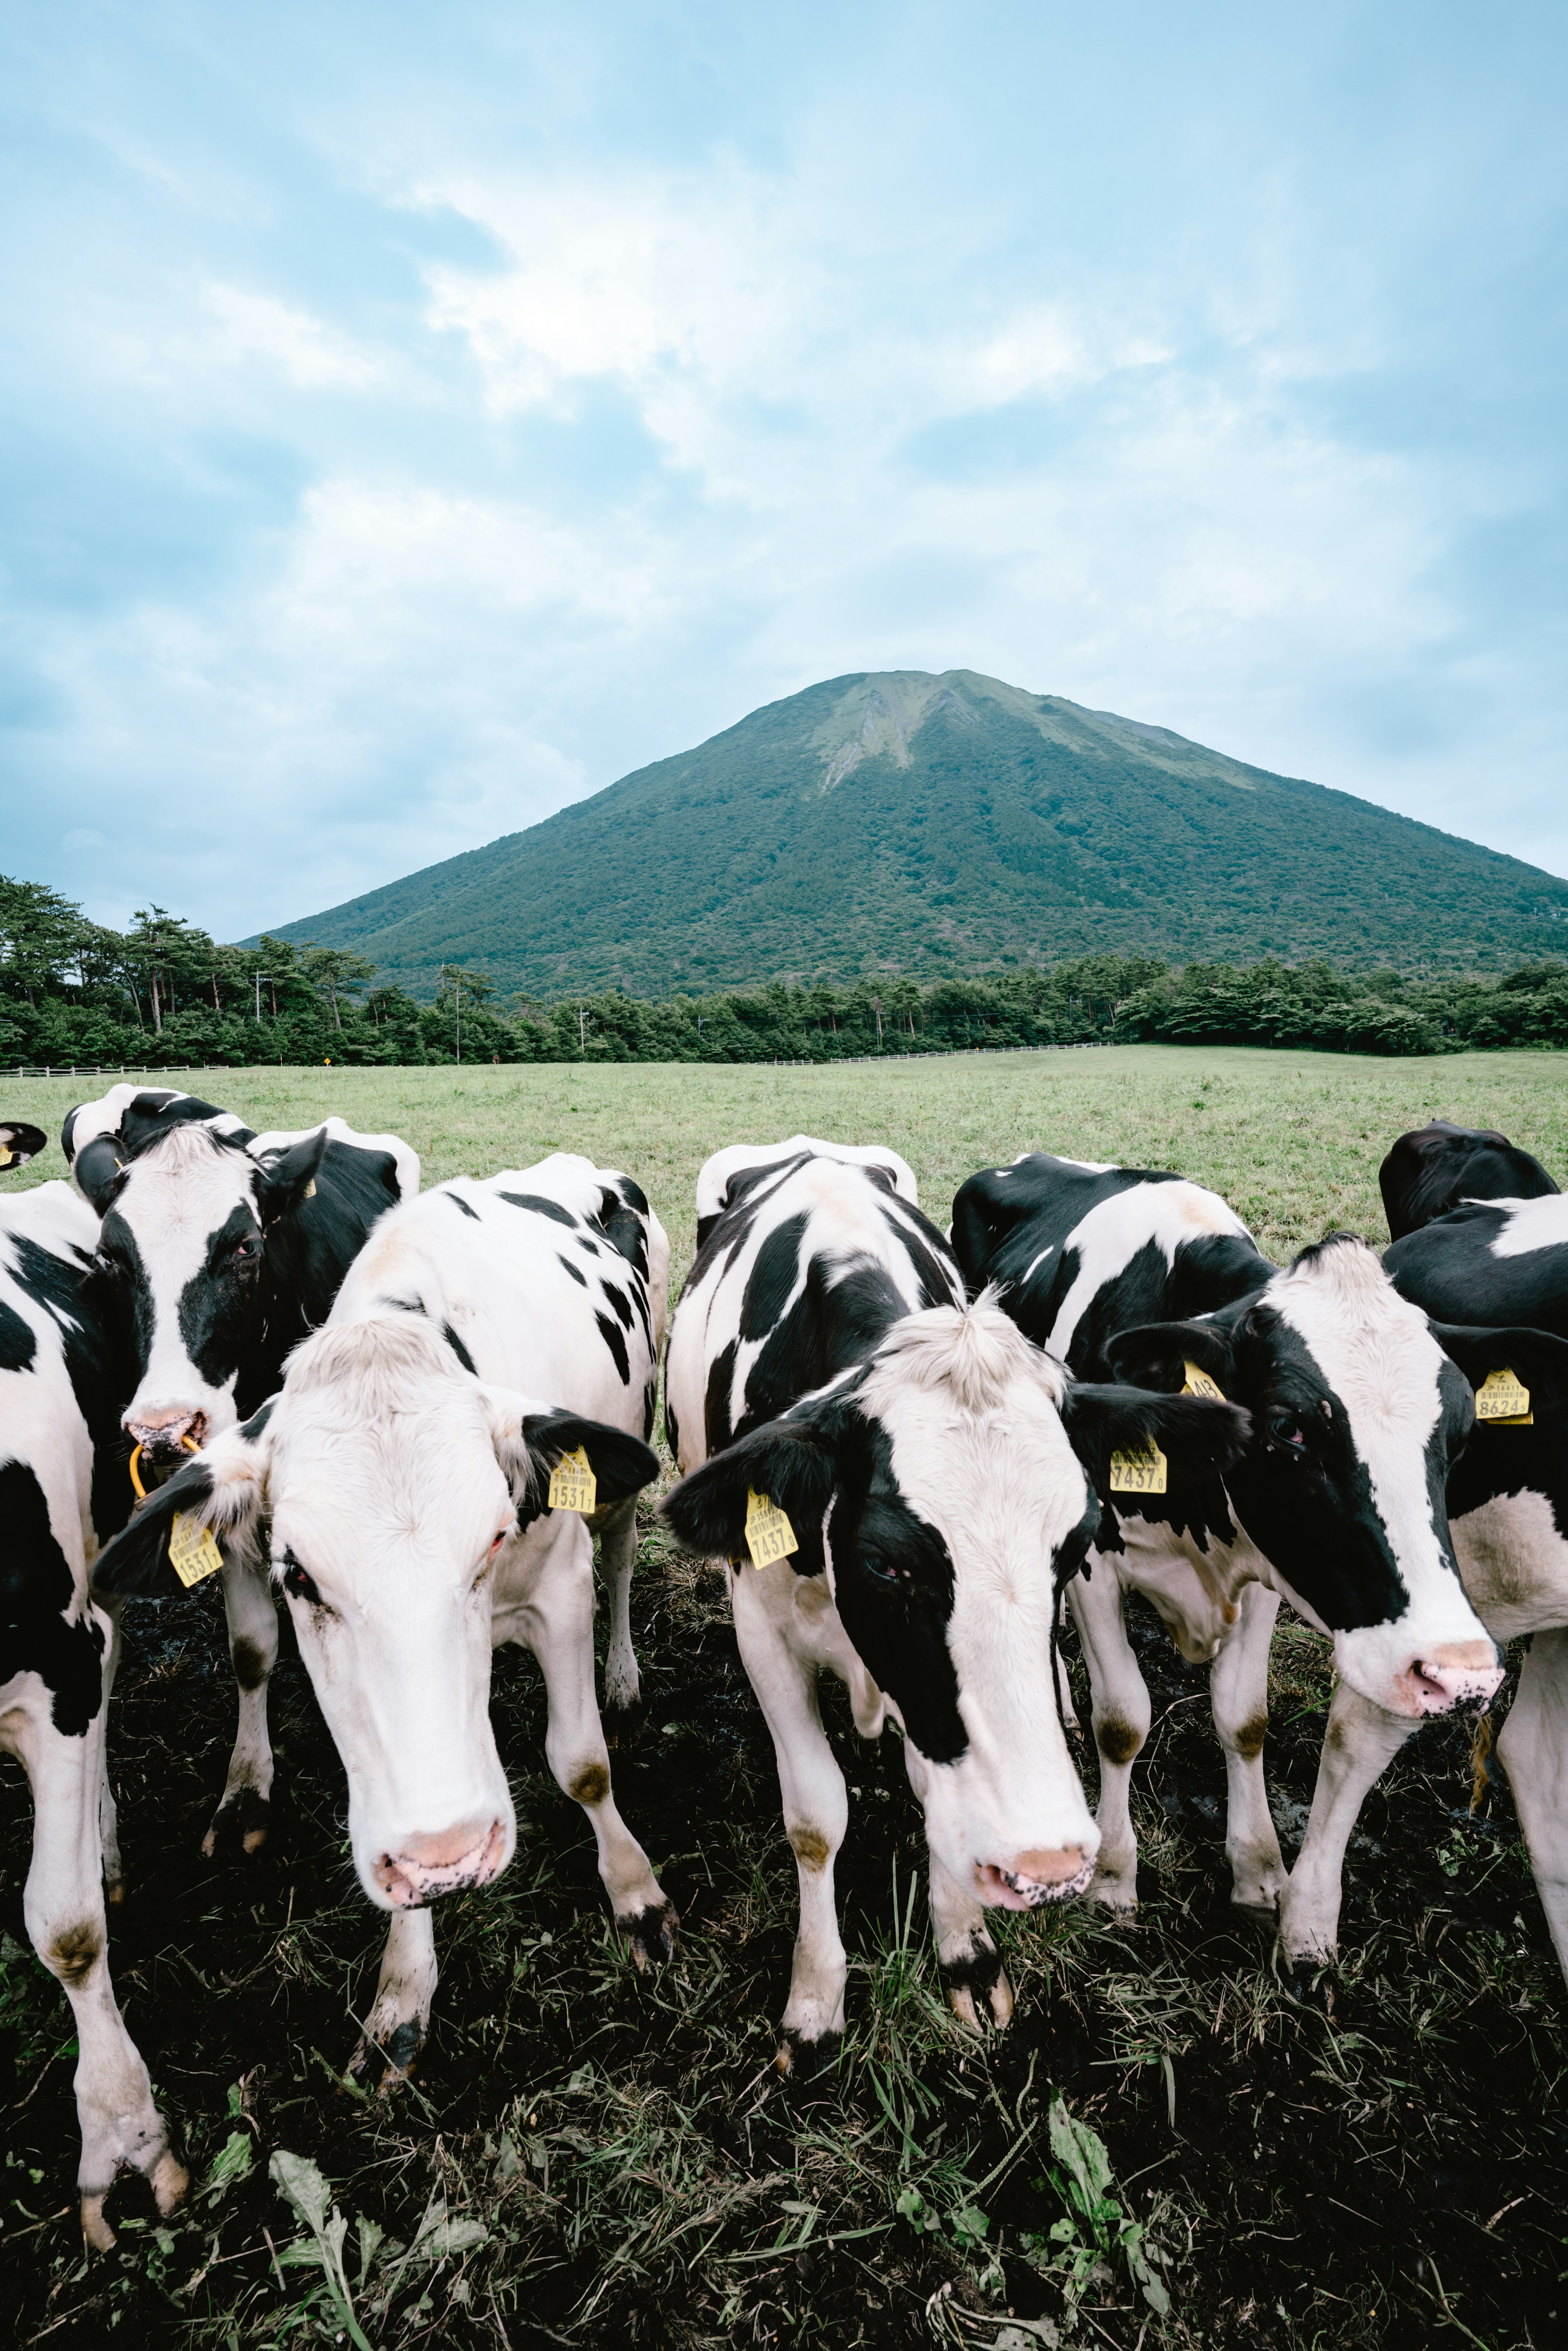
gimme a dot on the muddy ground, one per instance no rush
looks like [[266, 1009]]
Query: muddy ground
[[592, 2158]]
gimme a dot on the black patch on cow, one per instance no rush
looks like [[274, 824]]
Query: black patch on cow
[[925, 1248], [650, 1398], [611, 1334], [135, 1565], [584, 1242], [255, 1426], [1049, 1196], [772, 1276], [617, 1303], [44, 1629], [458, 1349], [99, 1362], [23, 1141], [581, 1279], [716, 1425], [540, 1206], [18, 1342], [1499, 1461], [1448, 1268], [100, 1173], [459, 1202], [892, 1584], [1431, 1169], [219, 1306], [672, 1428], [832, 1323], [620, 1219]]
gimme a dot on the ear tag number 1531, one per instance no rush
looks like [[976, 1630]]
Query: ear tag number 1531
[[194, 1552], [769, 1533], [572, 1484]]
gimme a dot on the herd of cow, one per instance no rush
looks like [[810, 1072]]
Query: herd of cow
[[408, 1413]]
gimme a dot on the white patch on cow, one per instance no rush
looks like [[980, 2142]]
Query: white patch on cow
[[1035, 1264], [1377, 1354], [1528, 1225], [1514, 1561], [1169, 1215]]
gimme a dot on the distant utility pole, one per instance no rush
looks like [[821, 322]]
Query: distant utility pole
[[258, 999], [581, 1032], [457, 1003]]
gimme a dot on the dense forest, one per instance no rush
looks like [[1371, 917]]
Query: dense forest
[[164, 994]]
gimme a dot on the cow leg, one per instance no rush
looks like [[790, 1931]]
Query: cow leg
[[63, 1906], [399, 2019], [816, 1805], [243, 1816], [617, 1533], [559, 1628], [1121, 1716], [108, 1812], [1534, 1748], [969, 1961], [1361, 1740], [1238, 1687]]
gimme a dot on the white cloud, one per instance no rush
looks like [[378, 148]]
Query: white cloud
[[303, 350]]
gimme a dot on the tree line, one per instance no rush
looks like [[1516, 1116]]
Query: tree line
[[162, 993]]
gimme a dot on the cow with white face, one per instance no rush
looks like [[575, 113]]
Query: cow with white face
[[1336, 1503], [397, 1489], [220, 1250], [63, 1493], [942, 1478]]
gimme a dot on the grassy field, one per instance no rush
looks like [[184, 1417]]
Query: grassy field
[[1380, 2158]]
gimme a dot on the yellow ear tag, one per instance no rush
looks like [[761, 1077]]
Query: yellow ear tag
[[1198, 1383], [769, 1533], [194, 1552], [1142, 1472], [309, 1191], [572, 1484], [1502, 1403]]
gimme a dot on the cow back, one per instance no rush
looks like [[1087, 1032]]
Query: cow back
[[1432, 1169]]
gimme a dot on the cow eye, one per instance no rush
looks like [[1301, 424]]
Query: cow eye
[[301, 1586], [886, 1571], [1286, 1430]]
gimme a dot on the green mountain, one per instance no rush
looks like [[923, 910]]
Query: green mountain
[[940, 824]]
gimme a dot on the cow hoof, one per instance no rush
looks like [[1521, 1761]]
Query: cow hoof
[[1116, 1894], [240, 1825], [169, 2181], [94, 2227], [979, 1992], [651, 1934], [622, 1724], [807, 2064], [378, 2067]]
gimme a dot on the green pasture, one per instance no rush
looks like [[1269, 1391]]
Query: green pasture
[[1176, 2143]]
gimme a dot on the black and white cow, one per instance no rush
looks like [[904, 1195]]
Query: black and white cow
[[1497, 1261], [1336, 1504], [19, 1143], [62, 1493], [221, 1250], [1433, 1168], [1508, 1514], [942, 1478], [396, 1491]]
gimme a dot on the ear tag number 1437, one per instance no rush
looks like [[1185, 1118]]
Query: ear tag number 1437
[[769, 1533], [194, 1552], [572, 1484]]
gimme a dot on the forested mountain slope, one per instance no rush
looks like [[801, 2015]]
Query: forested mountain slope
[[932, 824]]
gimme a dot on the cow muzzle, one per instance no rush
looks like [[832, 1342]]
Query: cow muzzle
[[167, 1432], [426, 1867], [1032, 1879], [1455, 1674]]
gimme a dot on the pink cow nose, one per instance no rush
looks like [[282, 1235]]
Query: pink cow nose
[[1459, 1673], [425, 1866], [1035, 1877], [168, 1430]]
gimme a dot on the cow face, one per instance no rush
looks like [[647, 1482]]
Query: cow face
[[1357, 1416], [389, 1484], [182, 1247], [947, 1489]]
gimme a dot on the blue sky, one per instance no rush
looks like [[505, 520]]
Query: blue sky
[[411, 418]]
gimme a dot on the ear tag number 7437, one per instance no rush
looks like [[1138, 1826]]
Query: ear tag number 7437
[[572, 1484], [194, 1552], [1139, 1470], [769, 1533]]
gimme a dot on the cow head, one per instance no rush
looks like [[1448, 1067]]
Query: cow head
[[387, 1482], [186, 1221], [1357, 1417], [947, 1488]]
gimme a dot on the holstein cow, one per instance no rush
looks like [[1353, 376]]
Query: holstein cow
[[1433, 1168], [941, 1479], [221, 1250], [1508, 1513], [1503, 1261], [62, 1492], [1336, 1504], [398, 1483]]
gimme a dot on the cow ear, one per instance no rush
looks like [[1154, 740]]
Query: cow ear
[[290, 1178], [529, 1444], [223, 1490], [19, 1143], [99, 1172], [1155, 1356], [1537, 1359], [1198, 1437], [794, 1461]]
